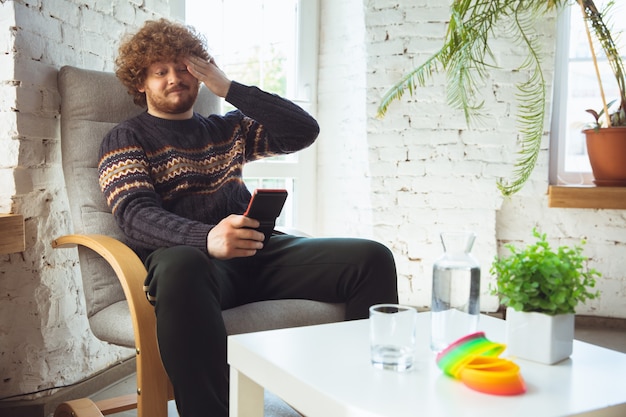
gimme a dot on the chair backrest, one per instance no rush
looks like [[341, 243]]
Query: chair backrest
[[93, 102]]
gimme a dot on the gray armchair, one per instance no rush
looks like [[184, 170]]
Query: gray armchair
[[93, 102]]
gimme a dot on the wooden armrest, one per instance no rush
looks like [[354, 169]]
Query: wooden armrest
[[121, 258], [129, 270], [152, 380]]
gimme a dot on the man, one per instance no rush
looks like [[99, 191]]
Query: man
[[173, 180]]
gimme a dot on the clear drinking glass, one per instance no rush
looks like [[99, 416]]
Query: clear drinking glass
[[455, 306], [392, 336]]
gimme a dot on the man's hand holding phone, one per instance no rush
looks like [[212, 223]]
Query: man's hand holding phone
[[235, 237], [243, 235]]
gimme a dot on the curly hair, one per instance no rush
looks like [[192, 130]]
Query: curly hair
[[156, 41]]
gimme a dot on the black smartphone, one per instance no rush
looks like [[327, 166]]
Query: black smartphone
[[265, 206]]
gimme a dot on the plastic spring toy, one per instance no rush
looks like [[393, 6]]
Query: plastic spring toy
[[475, 360]]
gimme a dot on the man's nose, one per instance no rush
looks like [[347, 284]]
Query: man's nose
[[173, 76]]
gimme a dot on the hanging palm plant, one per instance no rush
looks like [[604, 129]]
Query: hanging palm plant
[[467, 58]]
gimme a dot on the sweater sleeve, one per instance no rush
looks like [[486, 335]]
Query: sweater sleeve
[[274, 125], [125, 180]]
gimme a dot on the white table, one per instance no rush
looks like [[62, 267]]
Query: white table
[[325, 371]]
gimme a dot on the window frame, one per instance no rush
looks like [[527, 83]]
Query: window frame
[[574, 190], [560, 99], [558, 131]]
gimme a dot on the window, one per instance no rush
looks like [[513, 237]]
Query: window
[[271, 44], [575, 90]]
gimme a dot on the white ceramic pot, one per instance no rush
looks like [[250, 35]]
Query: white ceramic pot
[[539, 337]]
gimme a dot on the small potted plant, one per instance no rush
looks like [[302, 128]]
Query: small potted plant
[[541, 288]]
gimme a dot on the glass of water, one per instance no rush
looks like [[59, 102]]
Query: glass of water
[[392, 336]]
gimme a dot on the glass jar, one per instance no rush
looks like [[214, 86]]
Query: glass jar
[[455, 306]]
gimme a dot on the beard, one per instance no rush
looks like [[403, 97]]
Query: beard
[[175, 100]]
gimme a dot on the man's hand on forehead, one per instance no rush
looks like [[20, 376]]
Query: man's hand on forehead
[[209, 73], [195, 59], [199, 67]]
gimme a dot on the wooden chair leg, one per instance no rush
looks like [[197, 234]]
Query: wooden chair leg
[[82, 407], [117, 404]]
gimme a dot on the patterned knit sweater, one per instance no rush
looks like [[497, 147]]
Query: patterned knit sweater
[[168, 182]]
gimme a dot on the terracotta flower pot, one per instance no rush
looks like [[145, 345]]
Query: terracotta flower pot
[[606, 148]]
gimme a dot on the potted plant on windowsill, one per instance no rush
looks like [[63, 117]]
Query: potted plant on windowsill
[[606, 139], [467, 59], [541, 288]]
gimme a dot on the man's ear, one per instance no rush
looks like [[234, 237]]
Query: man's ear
[[141, 88]]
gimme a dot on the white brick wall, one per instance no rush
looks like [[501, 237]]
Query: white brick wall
[[426, 171], [45, 340]]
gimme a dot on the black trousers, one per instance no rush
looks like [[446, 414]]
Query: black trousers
[[192, 289]]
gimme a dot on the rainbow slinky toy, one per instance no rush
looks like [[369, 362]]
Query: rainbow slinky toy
[[475, 360]]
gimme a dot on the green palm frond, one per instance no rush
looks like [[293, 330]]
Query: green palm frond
[[409, 83], [531, 98], [462, 57], [466, 58]]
